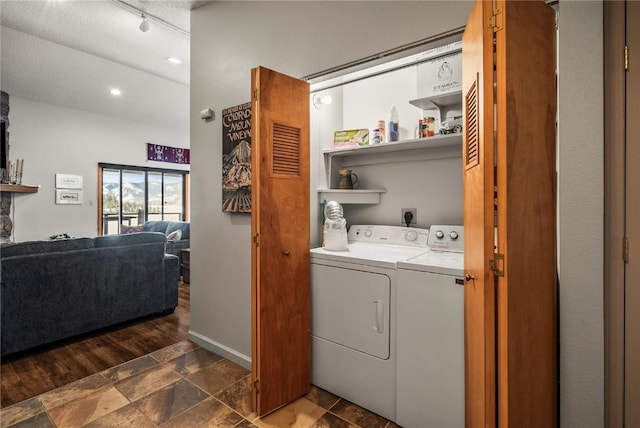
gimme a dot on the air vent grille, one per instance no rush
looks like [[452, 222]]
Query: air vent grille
[[472, 128], [286, 150]]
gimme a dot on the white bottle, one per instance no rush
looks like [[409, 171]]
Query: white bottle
[[394, 128], [335, 228]]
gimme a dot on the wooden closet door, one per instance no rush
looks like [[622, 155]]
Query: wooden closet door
[[478, 155], [526, 182], [510, 229], [280, 223]]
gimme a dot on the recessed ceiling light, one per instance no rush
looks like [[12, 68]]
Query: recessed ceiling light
[[174, 60], [115, 92]]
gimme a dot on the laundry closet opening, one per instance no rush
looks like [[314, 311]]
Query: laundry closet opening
[[350, 109], [386, 140]]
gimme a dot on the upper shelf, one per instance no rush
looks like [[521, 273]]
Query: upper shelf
[[438, 101], [18, 188], [438, 140], [351, 196]]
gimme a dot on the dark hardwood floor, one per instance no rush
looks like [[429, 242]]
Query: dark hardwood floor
[[31, 373]]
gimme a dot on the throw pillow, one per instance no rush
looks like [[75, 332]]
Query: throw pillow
[[130, 229], [176, 235]]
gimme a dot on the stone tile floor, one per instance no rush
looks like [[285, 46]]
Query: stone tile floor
[[182, 385]]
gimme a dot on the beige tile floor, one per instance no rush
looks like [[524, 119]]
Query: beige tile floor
[[179, 386]]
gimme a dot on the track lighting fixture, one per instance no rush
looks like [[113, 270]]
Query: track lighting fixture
[[144, 25], [147, 18]]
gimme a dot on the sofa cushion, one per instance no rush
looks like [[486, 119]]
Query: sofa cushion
[[35, 247], [131, 239], [176, 235], [126, 229], [183, 226], [156, 226]]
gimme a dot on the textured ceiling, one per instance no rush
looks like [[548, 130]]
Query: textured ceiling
[[70, 53]]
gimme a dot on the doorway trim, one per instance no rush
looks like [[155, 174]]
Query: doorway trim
[[614, 214]]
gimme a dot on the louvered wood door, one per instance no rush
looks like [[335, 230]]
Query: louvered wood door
[[280, 223], [510, 296], [632, 228], [478, 155]]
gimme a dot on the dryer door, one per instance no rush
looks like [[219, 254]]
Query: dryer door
[[351, 308]]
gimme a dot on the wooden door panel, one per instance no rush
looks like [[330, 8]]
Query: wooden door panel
[[614, 194], [526, 183], [632, 268], [509, 192], [477, 81], [281, 334]]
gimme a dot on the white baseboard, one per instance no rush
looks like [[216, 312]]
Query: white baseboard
[[220, 349]]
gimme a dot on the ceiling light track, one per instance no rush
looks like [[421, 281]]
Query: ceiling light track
[[150, 18]]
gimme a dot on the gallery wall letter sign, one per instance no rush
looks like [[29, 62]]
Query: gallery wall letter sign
[[159, 153], [69, 196], [236, 158], [68, 181]]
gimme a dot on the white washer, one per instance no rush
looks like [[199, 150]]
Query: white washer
[[430, 377], [353, 328]]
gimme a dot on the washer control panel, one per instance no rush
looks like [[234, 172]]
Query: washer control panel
[[446, 238], [393, 235]]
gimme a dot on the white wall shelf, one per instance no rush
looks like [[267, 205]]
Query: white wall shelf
[[398, 146], [355, 196], [438, 101], [436, 147]]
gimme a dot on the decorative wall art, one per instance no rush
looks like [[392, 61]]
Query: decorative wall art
[[68, 189], [69, 196], [68, 181], [236, 159], [159, 153]]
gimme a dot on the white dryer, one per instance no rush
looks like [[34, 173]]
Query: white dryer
[[430, 347], [353, 328]]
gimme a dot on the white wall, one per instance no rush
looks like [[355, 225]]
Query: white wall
[[580, 197], [53, 139], [296, 38]]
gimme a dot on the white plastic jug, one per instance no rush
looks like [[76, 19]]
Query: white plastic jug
[[335, 228]]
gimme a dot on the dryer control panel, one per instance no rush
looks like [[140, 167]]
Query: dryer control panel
[[392, 235], [446, 238]]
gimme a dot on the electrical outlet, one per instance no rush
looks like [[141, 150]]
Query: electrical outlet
[[413, 212]]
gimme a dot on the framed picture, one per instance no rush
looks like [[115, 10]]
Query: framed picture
[[236, 159], [68, 196], [68, 181]]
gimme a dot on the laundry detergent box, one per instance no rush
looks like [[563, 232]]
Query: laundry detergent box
[[351, 137]]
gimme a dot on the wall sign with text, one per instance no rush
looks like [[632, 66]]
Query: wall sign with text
[[236, 158]]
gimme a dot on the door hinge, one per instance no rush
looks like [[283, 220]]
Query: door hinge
[[626, 57], [255, 94], [256, 385], [493, 20], [497, 264], [256, 239], [625, 249]]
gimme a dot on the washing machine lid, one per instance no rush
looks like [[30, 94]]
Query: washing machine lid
[[442, 262], [364, 253]]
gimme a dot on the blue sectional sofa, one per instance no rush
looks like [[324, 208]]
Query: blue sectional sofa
[[53, 290], [167, 227]]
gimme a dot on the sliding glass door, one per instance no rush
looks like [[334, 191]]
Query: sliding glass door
[[133, 200], [133, 195], [173, 197]]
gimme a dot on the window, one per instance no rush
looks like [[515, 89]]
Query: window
[[132, 195]]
